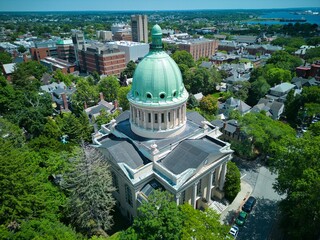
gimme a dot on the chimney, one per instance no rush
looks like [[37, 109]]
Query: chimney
[[101, 96], [115, 104], [65, 102]]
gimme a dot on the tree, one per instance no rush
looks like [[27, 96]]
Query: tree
[[122, 97], [209, 104], [312, 54], [109, 86], [61, 77], [292, 106], [158, 218], [240, 89], [5, 58], [297, 162], [22, 49], [90, 190], [201, 224], [85, 94], [232, 186], [259, 89], [276, 76], [284, 60], [192, 101], [128, 71], [183, 57], [27, 75]]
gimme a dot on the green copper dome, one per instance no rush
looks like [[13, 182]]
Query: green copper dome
[[157, 77]]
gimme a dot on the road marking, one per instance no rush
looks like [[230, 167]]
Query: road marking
[[243, 176]]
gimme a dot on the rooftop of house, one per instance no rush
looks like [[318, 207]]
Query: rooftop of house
[[283, 87], [8, 68]]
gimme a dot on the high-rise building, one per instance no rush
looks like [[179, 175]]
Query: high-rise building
[[158, 144], [139, 28]]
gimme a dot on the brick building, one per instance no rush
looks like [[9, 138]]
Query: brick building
[[104, 59], [199, 47]]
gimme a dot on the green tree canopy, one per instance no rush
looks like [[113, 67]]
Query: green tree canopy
[[209, 104], [122, 97], [232, 186], [109, 86], [183, 57], [201, 224], [89, 185], [297, 162]]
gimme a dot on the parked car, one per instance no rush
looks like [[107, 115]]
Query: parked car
[[249, 204], [234, 231], [241, 218]]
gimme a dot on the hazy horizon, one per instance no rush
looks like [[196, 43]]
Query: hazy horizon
[[149, 5]]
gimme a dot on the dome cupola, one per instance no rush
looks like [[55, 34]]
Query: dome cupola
[[157, 86]]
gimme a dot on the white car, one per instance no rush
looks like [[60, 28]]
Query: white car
[[234, 231]]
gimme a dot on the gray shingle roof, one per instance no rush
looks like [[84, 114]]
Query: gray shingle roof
[[123, 152], [190, 154]]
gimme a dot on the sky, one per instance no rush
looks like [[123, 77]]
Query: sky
[[121, 5]]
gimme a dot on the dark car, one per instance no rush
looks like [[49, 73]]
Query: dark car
[[247, 207]]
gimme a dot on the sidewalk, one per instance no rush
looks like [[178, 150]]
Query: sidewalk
[[229, 214]]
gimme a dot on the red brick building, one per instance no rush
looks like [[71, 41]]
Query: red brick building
[[309, 71], [199, 47], [102, 59]]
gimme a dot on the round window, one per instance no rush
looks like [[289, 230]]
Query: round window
[[162, 95], [149, 95], [174, 93]]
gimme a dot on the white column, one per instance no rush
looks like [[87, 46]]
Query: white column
[[174, 118], [167, 119], [180, 116], [131, 114], [218, 170], [223, 176], [152, 121], [194, 197], [144, 119], [209, 187], [159, 120], [177, 198], [134, 114]]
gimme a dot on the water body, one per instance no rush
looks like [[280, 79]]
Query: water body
[[313, 19]]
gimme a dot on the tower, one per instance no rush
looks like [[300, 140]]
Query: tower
[[139, 28], [157, 97]]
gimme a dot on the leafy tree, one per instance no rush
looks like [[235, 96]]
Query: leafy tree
[[235, 114], [276, 76], [105, 117], [313, 53], [240, 89], [90, 188], [44, 229], [209, 104], [128, 71], [85, 94], [232, 186], [284, 60], [22, 49], [11, 133], [313, 41], [259, 89], [27, 75], [122, 97], [109, 86], [201, 224], [77, 129], [292, 106], [183, 57], [158, 218], [298, 167], [264, 131], [314, 129], [5, 58], [60, 76], [192, 101]]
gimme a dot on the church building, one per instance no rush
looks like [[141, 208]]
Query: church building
[[158, 144]]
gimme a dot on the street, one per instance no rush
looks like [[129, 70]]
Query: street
[[262, 218]]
